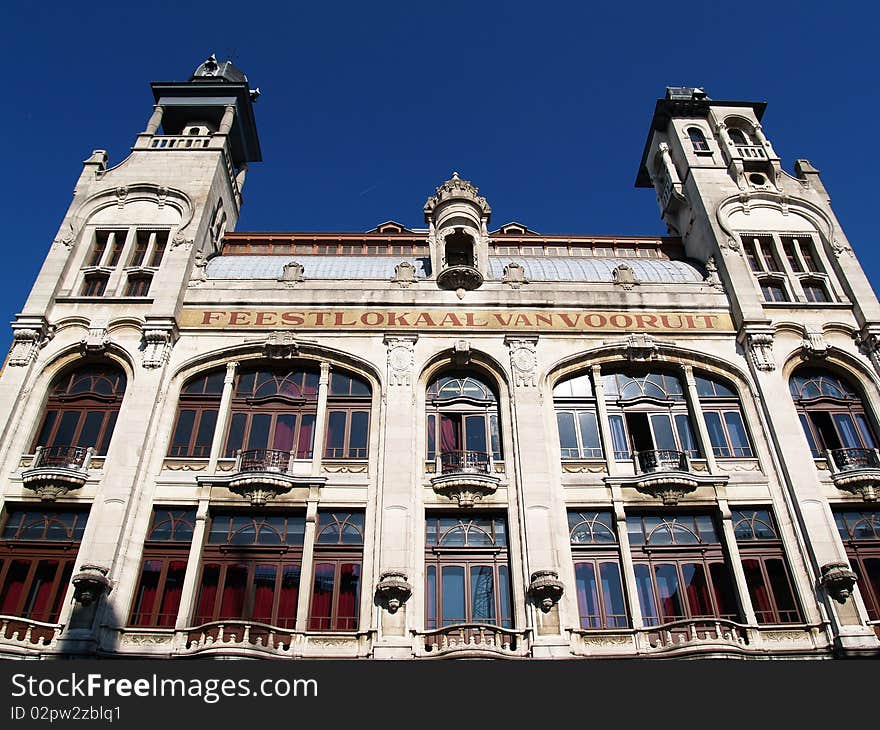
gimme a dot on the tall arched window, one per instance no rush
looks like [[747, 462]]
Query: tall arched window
[[82, 409], [723, 417], [698, 139], [648, 413], [831, 411], [575, 406], [738, 137], [462, 420], [274, 409]]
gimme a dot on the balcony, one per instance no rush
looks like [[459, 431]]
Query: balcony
[[465, 476], [460, 276], [261, 475], [239, 637], [856, 471], [22, 636], [471, 640], [751, 152], [666, 474], [57, 469]]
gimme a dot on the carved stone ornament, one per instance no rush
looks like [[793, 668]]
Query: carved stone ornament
[[292, 273], [90, 584], [514, 275], [404, 274], [456, 188], [523, 361], [840, 248], [461, 353], [121, 195], [95, 342], [624, 277], [258, 491], [838, 580], [200, 270], [814, 345], [641, 348], [26, 344], [401, 359], [393, 590], [460, 278], [760, 348], [181, 240], [157, 347], [545, 589], [465, 489], [868, 342], [281, 345], [712, 275]]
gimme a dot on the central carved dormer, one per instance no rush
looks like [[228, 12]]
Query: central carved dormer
[[458, 219]]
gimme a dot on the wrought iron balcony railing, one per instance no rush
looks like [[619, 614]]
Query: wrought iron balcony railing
[[63, 456], [263, 460], [660, 460], [464, 462], [842, 460]]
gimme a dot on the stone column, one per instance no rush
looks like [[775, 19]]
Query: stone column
[[728, 538], [696, 411], [222, 418], [227, 120], [626, 563], [155, 120], [188, 591], [308, 560], [604, 423], [321, 419]]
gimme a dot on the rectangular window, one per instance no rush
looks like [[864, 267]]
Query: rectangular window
[[139, 252], [94, 285], [137, 286], [336, 583], [347, 434], [773, 291], [598, 582], [727, 434], [159, 248]]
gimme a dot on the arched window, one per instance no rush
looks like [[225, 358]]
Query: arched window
[[698, 139], [598, 582], [273, 409], [648, 413], [576, 419], [723, 417], [831, 411], [462, 414], [738, 137], [82, 409]]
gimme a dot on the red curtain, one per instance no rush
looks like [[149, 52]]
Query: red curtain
[[41, 590], [207, 594], [283, 438], [145, 598], [697, 589], [14, 585], [264, 593], [289, 596], [306, 434], [232, 600], [171, 598], [758, 591], [450, 439], [322, 597], [349, 583]]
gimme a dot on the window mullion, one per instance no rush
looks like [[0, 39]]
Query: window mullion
[[695, 409], [731, 548], [604, 423], [223, 418], [193, 568]]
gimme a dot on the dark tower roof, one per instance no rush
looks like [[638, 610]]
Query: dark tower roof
[[215, 70]]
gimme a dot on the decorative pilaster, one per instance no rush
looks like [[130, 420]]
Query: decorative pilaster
[[401, 359], [523, 360], [308, 560], [95, 342], [759, 347], [604, 422], [743, 596], [188, 590], [814, 346]]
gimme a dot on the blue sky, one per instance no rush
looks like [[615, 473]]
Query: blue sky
[[366, 107]]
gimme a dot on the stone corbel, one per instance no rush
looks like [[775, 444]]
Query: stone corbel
[[401, 358], [90, 584], [712, 278], [281, 345], [28, 337], [523, 360], [159, 339], [393, 590], [814, 346], [545, 589], [868, 342], [838, 580], [759, 346]]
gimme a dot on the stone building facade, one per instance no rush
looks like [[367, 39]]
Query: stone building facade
[[455, 440]]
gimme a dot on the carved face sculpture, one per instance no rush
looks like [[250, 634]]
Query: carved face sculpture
[[393, 605]]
